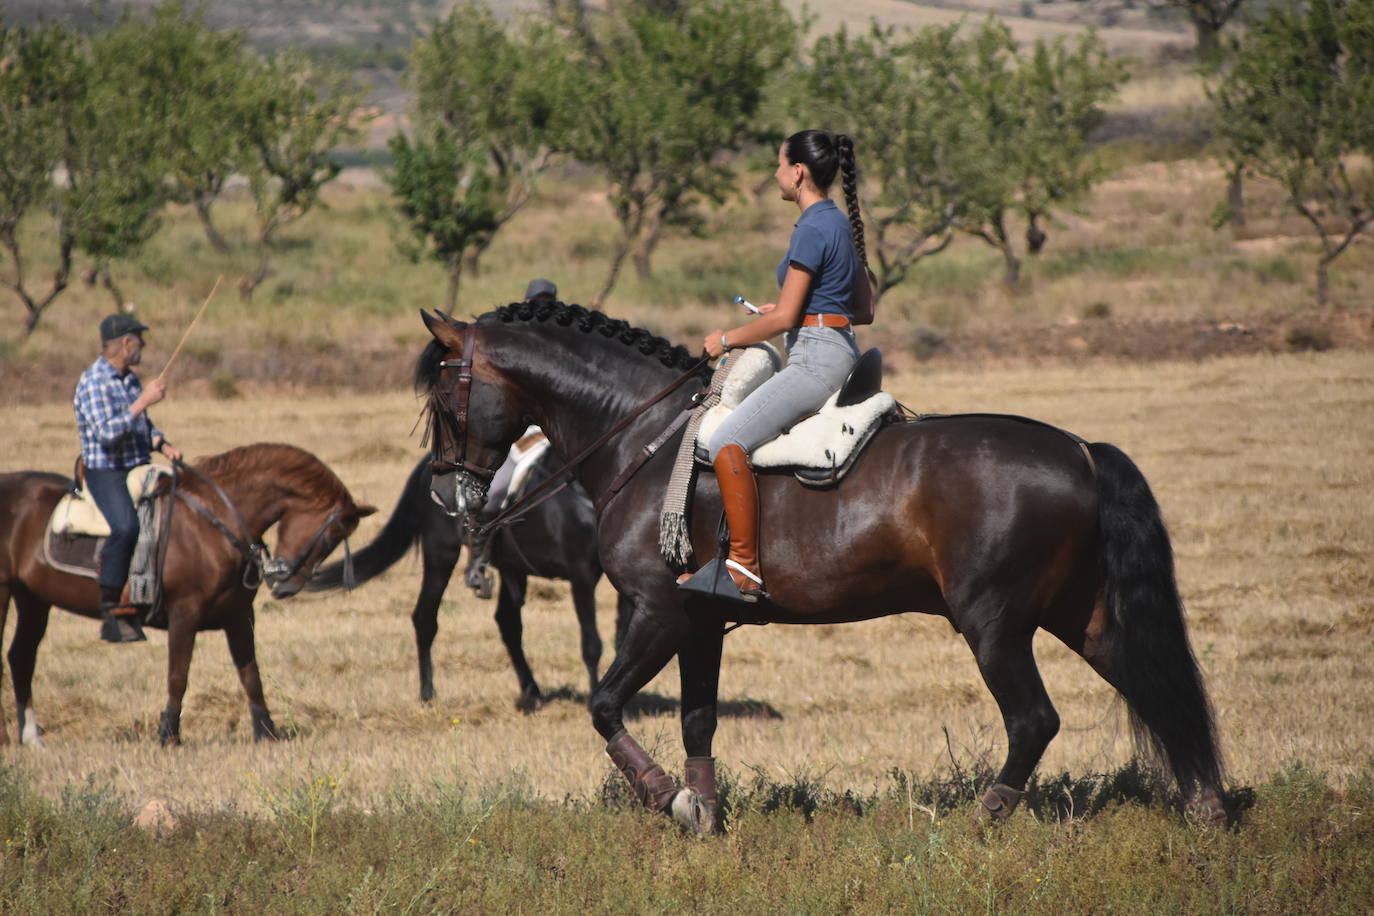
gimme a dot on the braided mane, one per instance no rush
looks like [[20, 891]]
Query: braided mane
[[674, 356]]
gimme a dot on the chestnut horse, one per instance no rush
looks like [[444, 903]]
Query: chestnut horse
[[1000, 524], [211, 569]]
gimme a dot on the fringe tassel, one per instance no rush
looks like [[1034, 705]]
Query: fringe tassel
[[674, 540]]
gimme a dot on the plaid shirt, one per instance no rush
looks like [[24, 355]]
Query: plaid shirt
[[111, 437]]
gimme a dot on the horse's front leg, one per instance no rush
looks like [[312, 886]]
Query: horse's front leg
[[29, 628], [239, 633], [697, 806], [181, 643], [651, 639]]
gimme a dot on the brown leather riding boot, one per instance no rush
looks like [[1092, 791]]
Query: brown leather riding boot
[[739, 491]]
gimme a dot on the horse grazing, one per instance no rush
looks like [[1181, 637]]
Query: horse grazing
[[1000, 524], [213, 563], [555, 540]]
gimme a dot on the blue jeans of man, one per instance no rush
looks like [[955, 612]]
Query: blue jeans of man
[[111, 493]]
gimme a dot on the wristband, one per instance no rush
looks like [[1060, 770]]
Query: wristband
[[723, 344]]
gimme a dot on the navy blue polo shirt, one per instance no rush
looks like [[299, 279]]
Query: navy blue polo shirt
[[821, 244]]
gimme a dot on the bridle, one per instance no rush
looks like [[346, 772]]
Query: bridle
[[449, 408], [449, 420], [260, 564]]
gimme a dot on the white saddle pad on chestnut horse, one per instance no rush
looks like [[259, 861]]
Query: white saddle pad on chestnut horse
[[825, 441], [77, 513]]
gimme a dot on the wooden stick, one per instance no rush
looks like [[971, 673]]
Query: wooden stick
[[173, 357]]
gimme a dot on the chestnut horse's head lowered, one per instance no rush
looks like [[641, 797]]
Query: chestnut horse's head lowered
[[312, 509]]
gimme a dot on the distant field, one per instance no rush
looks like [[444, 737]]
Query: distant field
[[1263, 466]]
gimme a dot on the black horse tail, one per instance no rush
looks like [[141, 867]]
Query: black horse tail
[[399, 533], [1151, 661]]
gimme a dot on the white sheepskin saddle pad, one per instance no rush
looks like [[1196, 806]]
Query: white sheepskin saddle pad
[[826, 440], [77, 513]]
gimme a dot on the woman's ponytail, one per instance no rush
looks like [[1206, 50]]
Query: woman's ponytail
[[849, 178]]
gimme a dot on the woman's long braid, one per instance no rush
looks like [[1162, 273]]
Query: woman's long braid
[[849, 178]]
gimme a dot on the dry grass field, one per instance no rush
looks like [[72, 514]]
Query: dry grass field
[[1263, 467]]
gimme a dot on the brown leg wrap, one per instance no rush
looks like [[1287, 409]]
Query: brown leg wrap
[[653, 787], [998, 802], [700, 777]]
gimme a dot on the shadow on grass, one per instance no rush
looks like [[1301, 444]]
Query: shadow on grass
[[648, 704]]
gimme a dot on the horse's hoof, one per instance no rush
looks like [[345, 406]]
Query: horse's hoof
[[691, 812], [529, 700], [171, 741], [997, 804]]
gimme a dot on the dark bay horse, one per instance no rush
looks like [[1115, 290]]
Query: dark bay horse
[[209, 582], [556, 540], [1000, 524]]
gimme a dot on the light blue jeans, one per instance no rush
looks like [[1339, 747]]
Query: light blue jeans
[[818, 362]]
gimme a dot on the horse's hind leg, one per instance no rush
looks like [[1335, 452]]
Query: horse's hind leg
[[239, 633], [584, 603], [1006, 661], [4, 615], [510, 600], [30, 624], [650, 641]]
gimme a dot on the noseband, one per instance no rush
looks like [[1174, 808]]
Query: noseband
[[279, 570], [449, 409]]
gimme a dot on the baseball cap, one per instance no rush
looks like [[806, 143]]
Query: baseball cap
[[541, 287], [119, 324]]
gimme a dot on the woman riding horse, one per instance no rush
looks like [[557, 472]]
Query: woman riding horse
[[824, 291]]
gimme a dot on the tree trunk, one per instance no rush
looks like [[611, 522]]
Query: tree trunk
[[648, 242], [1013, 275], [1323, 283], [1235, 195], [216, 240], [250, 282], [34, 309], [1208, 36], [455, 279], [617, 260], [107, 281]]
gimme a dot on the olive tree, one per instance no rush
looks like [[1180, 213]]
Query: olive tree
[[480, 113], [1296, 107], [294, 114], [657, 96]]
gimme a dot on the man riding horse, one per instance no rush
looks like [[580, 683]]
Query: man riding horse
[[117, 435]]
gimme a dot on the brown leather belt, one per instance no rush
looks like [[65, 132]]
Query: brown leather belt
[[818, 320]]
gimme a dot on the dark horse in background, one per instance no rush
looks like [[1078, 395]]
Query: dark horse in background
[[209, 581], [555, 540], [1000, 524]]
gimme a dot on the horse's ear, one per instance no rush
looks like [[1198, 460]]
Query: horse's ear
[[365, 510], [445, 330]]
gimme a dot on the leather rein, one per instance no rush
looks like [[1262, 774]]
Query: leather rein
[[254, 551], [563, 476]]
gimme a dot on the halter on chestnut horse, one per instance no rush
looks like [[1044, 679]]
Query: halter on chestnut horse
[[1000, 524]]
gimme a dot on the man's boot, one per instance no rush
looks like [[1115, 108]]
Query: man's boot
[[739, 491], [118, 620]]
